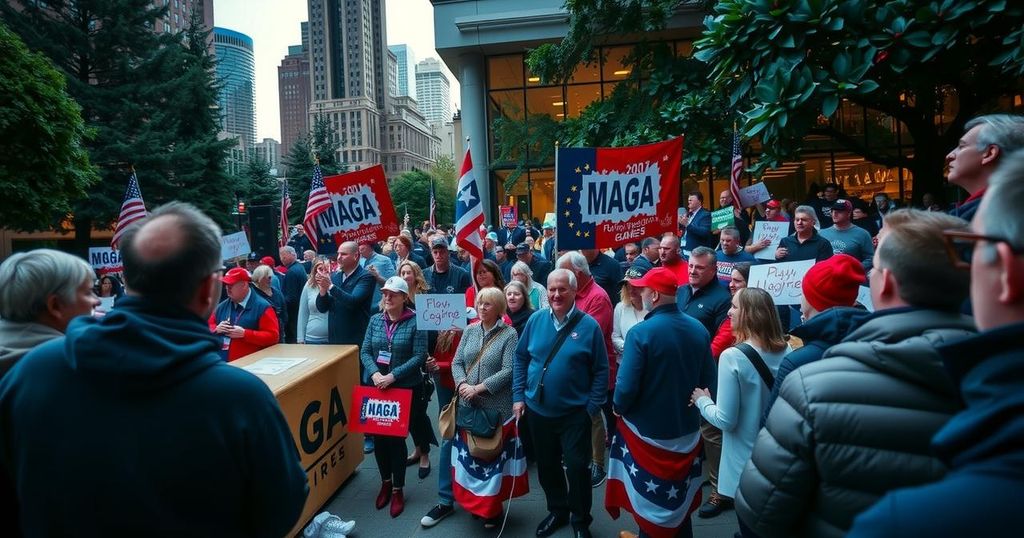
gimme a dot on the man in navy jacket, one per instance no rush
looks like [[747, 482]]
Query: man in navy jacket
[[346, 297], [696, 226], [295, 277]]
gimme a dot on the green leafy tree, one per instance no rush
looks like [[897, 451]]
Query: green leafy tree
[[260, 187], [321, 143], [793, 62], [43, 166], [445, 181], [149, 97], [411, 191]]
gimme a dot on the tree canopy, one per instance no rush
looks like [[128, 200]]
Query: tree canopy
[[411, 191], [321, 143], [43, 165]]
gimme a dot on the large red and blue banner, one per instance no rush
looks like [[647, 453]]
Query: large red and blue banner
[[658, 481], [359, 208], [481, 486], [612, 196]]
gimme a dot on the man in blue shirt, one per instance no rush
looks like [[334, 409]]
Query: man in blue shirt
[[563, 387], [731, 252]]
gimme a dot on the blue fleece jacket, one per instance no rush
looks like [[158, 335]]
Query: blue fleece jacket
[[577, 376], [980, 496], [132, 425]]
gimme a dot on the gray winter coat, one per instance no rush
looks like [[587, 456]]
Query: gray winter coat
[[852, 426]]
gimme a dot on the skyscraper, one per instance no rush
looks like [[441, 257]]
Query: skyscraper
[[348, 62], [434, 91], [293, 93], [406, 69], [179, 14], [236, 69]]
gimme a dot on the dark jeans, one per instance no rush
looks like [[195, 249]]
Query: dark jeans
[[421, 428], [559, 440], [291, 328], [390, 452]]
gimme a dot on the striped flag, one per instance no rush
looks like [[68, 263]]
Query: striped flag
[[286, 204], [481, 486], [737, 168], [433, 207], [319, 201], [469, 214], [132, 209]]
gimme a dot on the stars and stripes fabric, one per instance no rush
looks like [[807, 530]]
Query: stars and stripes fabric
[[658, 481], [480, 487], [133, 208], [737, 168], [319, 201], [286, 204], [433, 207], [469, 214]]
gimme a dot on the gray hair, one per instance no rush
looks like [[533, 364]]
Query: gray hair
[[521, 267], [1005, 131], [174, 278], [261, 272], [701, 252], [30, 278], [731, 231], [1005, 197], [287, 249], [567, 274], [806, 210], [576, 260]]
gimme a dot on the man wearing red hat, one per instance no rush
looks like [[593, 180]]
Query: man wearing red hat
[[652, 411], [246, 321]]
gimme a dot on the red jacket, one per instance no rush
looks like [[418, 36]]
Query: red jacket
[[262, 333], [723, 339]]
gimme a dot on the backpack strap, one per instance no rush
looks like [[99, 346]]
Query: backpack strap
[[758, 362]]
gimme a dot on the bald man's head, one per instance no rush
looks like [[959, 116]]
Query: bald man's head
[[169, 254]]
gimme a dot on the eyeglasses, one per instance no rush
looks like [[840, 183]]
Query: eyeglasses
[[960, 245]]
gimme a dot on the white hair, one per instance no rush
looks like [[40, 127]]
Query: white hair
[[522, 267], [569, 276], [287, 249], [30, 278], [574, 259], [806, 210]]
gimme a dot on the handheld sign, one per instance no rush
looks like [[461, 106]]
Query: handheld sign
[[607, 197], [754, 194], [234, 245], [105, 260], [380, 412], [509, 215], [361, 208], [722, 218], [440, 312], [773, 232], [781, 280], [864, 298]]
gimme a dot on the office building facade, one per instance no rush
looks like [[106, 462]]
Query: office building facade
[[406, 63], [434, 91], [236, 69]]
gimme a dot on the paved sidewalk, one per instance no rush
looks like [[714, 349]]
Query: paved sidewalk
[[354, 501]]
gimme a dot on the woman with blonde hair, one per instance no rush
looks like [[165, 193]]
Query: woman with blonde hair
[[413, 276], [538, 294], [745, 378], [312, 323]]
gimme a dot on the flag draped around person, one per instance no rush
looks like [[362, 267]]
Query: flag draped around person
[[657, 481], [133, 208], [480, 486], [608, 197], [286, 204], [469, 214]]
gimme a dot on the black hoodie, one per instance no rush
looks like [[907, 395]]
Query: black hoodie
[[132, 425]]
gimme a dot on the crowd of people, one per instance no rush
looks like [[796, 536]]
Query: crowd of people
[[642, 369]]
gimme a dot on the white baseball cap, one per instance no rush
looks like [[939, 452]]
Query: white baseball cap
[[396, 284]]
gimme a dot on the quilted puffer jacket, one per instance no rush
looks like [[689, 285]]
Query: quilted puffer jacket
[[852, 426]]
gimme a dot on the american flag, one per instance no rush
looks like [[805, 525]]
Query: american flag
[[319, 201], [737, 168], [469, 214], [482, 486], [433, 207], [286, 204], [132, 209]]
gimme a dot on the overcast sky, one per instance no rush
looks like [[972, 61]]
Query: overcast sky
[[273, 25]]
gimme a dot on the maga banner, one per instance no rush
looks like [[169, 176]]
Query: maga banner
[[611, 196], [361, 208], [380, 412]]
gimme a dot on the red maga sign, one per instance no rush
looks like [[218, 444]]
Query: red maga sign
[[380, 412], [361, 208]]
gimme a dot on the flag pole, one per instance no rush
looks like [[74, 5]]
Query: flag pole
[[558, 213]]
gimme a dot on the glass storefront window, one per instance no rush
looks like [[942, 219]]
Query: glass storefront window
[[612, 68], [586, 73], [580, 96], [505, 104], [505, 71], [548, 101]]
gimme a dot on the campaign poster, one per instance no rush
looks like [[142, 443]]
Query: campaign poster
[[608, 197], [781, 280], [722, 218], [105, 260], [509, 215], [361, 207], [380, 412]]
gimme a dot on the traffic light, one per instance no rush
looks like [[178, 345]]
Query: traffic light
[[241, 207]]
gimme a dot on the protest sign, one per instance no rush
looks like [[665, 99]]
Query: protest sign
[[781, 280], [509, 215], [380, 412], [864, 298], [773, 232], [611, 196], [361, 208], [440, 312], [722, 218], [754, 194], [105, 260], [234, 246]]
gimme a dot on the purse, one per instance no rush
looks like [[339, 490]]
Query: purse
[[446, 422]]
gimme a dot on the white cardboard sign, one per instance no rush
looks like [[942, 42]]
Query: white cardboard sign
[[781, 280], [440, 312], [864, 298], [234, 245], [754, 194], [772, 231]]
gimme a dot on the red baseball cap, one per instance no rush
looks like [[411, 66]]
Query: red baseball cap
[[659, 279], [236, 274], [267, 260]]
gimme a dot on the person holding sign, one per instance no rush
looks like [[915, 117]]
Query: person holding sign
[[805, 243], [392, 354]]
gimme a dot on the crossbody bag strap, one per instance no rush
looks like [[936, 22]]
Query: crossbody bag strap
[[562, 335], [758, 362], [483, 348]]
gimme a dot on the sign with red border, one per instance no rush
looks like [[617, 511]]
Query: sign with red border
[[380, 412]]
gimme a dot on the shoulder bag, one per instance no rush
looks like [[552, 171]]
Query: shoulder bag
[[758, 362], [446, 422]]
